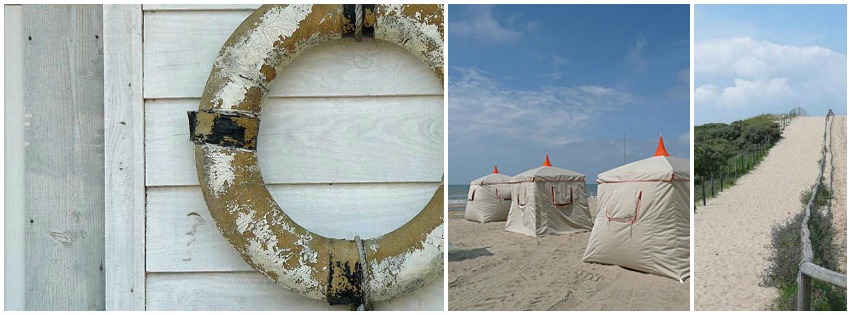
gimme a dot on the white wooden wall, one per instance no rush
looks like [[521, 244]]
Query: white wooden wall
[[351, 143], [14, 218], [56, 143]]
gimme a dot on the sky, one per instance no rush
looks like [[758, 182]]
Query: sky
[[568, 80], [756, 59]]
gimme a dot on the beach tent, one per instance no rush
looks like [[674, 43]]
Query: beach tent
[[643, 217], [548, 200], [489, 198]]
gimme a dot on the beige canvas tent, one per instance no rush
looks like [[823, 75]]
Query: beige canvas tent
[[643, 217], [548, 200], [489, 198]]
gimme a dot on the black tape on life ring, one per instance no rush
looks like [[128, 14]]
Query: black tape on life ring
[[227, 129]]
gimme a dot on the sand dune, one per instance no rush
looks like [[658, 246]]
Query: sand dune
[[491, 269], [733, 231]]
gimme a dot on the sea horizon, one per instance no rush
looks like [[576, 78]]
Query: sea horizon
[[458, 193]]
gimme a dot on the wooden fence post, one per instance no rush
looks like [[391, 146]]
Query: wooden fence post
[[803, 292], [703, 190], [712, 185]]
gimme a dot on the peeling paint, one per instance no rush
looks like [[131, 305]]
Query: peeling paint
[[219, 173], [238, 200], [420, 33], [408, 271]]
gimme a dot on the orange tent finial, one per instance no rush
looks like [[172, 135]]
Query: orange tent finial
[[660, 149], [547, 161], [495, 170]]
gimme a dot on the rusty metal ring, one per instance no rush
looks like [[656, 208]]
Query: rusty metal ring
[[225, 130]]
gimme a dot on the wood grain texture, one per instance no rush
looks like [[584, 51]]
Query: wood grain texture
[[314, 140], [181, 235], [64, 158], [14, 220], [367, 117], [198, 7], [180, 48], [244, 291], [124, 159]]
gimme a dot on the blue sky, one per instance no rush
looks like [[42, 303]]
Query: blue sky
[[568, 80], [754, 59]]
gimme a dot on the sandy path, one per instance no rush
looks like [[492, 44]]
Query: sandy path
[[733, 231], [491, 269], [840, 205]]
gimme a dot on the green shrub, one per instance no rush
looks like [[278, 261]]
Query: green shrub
[[785, 259]]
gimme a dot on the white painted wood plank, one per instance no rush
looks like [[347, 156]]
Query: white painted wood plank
[[244, 291], [124, 158], [198, 7], [181, 235], [14, 218], [314, 140], [64, 158], [180, 48]]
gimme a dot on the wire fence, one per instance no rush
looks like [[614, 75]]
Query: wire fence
[[808, 269], [710, 186]]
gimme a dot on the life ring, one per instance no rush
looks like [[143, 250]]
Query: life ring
[[225, 130]]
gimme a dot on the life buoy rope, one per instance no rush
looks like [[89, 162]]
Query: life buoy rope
[[225, 129]]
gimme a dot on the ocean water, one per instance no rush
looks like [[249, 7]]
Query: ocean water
[[458, 193]]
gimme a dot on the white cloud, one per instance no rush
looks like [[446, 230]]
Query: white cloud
[[738, 78], [481, 25], [481, 108]]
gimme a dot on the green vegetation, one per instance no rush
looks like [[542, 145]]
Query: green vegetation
[[786, 257], [724, 152]]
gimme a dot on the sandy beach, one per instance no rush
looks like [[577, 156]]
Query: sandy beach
[[733, 231], [491, 269]]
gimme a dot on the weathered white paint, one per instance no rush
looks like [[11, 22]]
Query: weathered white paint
[[202, 7], [269, 256], [314, 140], [398, 27], [407, 271], [182, 237], [220, 176], [64, 159], [124, 159], [236, 291], [242, 291], [180, 48], [14, 220], [246, 56]]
